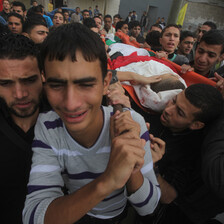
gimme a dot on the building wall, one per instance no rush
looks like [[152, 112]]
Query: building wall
[[197, 13]]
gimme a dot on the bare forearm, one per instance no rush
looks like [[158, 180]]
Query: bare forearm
[[134, 182], [168, 192], [70, 208]]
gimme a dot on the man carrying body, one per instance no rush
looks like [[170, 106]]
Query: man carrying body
[[209, 51], [93, 168]]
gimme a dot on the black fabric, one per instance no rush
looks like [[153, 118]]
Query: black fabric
[[15, 163]]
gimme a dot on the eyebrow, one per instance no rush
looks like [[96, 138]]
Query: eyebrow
[[78, 81], [209, 52], [21, 79]]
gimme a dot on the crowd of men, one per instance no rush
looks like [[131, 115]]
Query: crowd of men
[[69, 156]]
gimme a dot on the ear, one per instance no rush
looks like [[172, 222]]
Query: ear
[[25, 34], [106, 82], [196, 125]]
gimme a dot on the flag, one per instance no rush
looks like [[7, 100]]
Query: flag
[[181, 15]]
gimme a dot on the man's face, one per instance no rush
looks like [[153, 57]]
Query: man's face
[[77, 10], [206, 56], [75, 90], [18, 9], [136, 31], [107, 23], [85, 15], [6, 5], [66, 15], [58, 19], [186, 45], [124, 28], [98, 22], [20, 85], [170, 39], [35, 3], [15, 25], [38, 34], [202, 31], [179, 114], [115, 20]]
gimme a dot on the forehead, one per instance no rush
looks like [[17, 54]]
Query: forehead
[[172, 30], [212, 48], [108, 19], [39, 28], [156, 28], [188, 39], [98, 20], [56, 15], [14, 19], [17, 7], [17, 68]]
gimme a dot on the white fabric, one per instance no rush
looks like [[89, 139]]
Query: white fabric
[[147, 97]]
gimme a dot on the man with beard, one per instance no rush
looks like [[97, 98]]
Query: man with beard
[[20, 93]]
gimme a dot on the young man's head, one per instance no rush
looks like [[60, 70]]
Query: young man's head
[[19, 8], [135, 28], [186, 43], [170, 37], [107, 22], [6, 6], [193, 108], [15, 22], [116, 19], [156, 27], [75, 68], [122, 26], [98, 22], [34, 3], [209, 51], [91, 24], [152, 39], [35, 28], [208, 25], [85, 14], [66, 15], [20, 79], [58, 19]]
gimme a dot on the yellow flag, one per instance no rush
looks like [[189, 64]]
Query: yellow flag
[[181, 15]]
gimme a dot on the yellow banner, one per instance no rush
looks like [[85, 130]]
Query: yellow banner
[[181, 15]]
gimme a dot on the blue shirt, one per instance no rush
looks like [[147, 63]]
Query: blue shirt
[[48, 20]]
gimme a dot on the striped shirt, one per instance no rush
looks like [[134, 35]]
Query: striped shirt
[[59, 160]]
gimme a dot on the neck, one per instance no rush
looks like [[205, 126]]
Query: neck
[[203, 73], [7, 10], [26, 123]]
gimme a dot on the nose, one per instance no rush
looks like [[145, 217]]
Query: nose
[[203, 58], [169, 109], [20, 91], [72, 99]]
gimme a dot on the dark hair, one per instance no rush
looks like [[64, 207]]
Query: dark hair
[[210, 24], [185, 34], [156, 25], [17, 3], [167, 84], [16, 15], [35, 10], [32, 21], [85, 10], [4, 30], [120, 24], [107, 16], [97, 17], [59, 44], [168, 26], [214, 37], [89, 22], [15, 46], [133, 24], [152, 38], [117, 16], [208, 99]]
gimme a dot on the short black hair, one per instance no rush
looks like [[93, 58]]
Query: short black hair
[[214, 37], [210, 24], [89, 22], [32, 21], [184, 34], [16, 15], [107, 16], [35, 10], [117, 16], [133, 24], [85, 10], [208, 99], [120, 24], [152, 38], [15, 46], [156, 25], [59, 44], [17, 3], [168, 26]]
